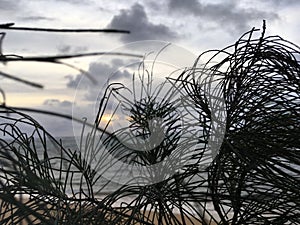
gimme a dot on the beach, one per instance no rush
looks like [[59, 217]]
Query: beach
[[119, 216]]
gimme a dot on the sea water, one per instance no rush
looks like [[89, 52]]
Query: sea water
[[114, 172]]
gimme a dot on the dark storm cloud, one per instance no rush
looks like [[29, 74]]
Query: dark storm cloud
[[227, 15], [136, 20]]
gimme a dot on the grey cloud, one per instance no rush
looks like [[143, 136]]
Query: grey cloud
[[188, 6], [101, 72], [76, 1], [155, 5], [73, 81], [9, 5], [66, 103], [227, 15], [283, 3], [57, 103], [35, 18], [68, 49], [136, 20], [71, 1], [56, 126], [64, 48]]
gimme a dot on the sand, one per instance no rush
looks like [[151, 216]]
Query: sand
[[5, 213]]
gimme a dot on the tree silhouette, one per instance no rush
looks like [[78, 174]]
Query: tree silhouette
[[253, 178]]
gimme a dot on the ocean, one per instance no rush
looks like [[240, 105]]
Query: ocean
[[115, 172], [75, 183], [108, 171]]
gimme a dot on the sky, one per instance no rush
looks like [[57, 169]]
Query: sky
[[191, 26]]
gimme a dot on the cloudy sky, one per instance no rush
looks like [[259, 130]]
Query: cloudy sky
[[192, 25]]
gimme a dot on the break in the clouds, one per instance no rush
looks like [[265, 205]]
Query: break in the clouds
[[227, 15], [137, 21]]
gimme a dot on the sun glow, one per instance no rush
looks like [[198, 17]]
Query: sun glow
[[108, 118]]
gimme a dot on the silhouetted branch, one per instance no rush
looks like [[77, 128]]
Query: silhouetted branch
[[55, 58], [10, 26], [30, 83], [57, 114]]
